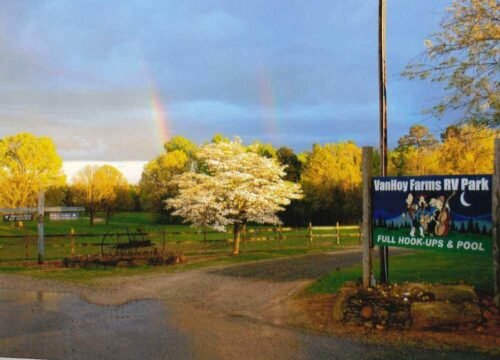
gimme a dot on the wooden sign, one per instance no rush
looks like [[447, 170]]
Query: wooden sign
[[443, 213]]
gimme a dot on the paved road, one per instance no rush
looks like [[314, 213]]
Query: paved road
[[231, 313]]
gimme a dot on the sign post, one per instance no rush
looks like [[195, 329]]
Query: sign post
[[367, 221], [496, 222], [41, 245]]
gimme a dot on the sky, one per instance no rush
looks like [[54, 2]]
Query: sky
[[112, 80]]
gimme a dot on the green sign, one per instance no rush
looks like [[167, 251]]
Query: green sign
[[444, 213]]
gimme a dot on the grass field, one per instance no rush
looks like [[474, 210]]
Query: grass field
[[424, 266], [262, 240]]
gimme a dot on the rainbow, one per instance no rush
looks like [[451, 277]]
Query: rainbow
[[160, 117], [267, 100]]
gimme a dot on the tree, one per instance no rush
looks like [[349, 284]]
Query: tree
[[266, 150], [115, 190], [236, 187], [464, 56], [180, 143], [467, 149], [416, 153], [332, 182], [155, 185], [287, 157], [99, 188], [28, 165]]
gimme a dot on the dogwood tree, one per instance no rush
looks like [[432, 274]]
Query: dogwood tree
[[235, 186]]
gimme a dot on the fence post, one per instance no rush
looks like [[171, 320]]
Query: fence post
[[163, 245], [360, 232], [72, 237], [280, 235], [496, 222], [367, 250], [338, 233], [41, 212], [310, 229], [26, 243]]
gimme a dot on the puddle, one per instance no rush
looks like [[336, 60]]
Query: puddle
[[42, 324]]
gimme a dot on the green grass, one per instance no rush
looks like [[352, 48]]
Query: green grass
[[424, 266], [188, 240], [88, 275]]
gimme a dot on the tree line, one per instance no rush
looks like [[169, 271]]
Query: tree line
[[329, 174]]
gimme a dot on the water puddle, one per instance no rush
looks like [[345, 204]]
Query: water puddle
[[42, 324]]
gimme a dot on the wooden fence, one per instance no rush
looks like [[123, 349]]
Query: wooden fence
[[202, 240]]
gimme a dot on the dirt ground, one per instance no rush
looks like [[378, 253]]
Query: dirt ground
[[263, 300]]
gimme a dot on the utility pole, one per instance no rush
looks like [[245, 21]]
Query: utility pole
[[384, 250]]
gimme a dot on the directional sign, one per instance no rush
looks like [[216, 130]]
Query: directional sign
[[58, 216], [17, 217]]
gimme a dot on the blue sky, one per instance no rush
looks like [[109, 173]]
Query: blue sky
[[288, 72]]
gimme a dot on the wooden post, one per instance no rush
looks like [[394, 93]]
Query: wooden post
[[367, 230], [72, 236], [338, 233], [496, 222], [384, 250], [360, 233], [310, 229], [41, 245], [26, 244], [163, 246]]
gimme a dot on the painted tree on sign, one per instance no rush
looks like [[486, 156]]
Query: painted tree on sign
[[236, 186]]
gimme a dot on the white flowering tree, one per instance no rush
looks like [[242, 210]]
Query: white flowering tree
[[235, 186]]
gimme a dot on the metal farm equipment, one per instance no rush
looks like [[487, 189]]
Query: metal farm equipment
[[125, 244]]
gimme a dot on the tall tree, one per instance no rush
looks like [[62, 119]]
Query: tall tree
[[237, 187], [332, 182], [287, 157], [99, 188], [155, 185], [467, 149], [28, 164], [464, 56], [115, 189], [416, 153]]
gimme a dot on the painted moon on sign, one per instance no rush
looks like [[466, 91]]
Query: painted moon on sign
[[462, 200]]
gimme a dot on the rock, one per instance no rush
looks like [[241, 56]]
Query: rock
[[488, 315], [454, 293], [350, 284], [366, 312], [380, 327], [413, 288], [383, 313], [493, 310], [440, 314], [341, 301], [368, 324], [480, 329]]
